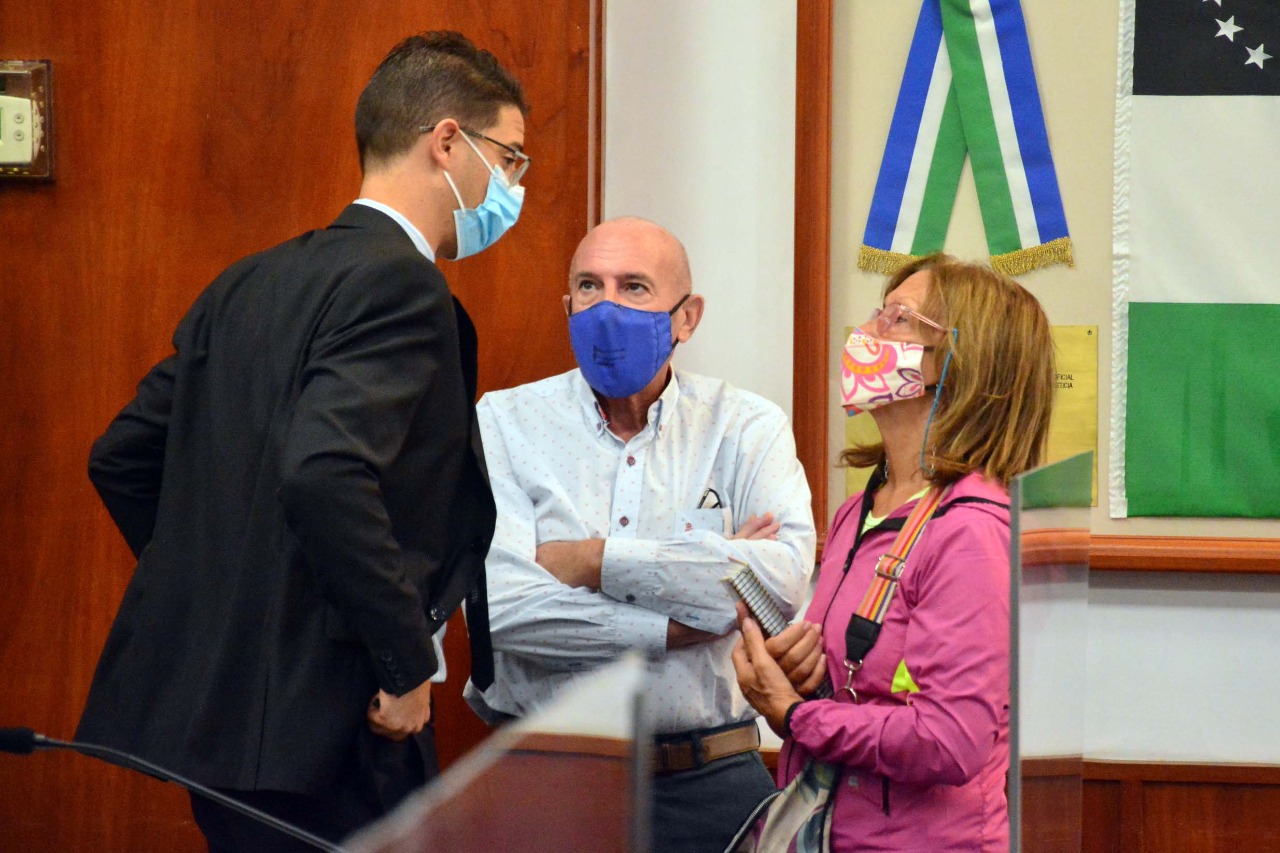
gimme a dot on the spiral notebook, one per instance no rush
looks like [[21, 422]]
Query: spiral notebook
[[764, 609]]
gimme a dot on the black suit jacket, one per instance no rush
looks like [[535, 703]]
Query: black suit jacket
[[303, 484]]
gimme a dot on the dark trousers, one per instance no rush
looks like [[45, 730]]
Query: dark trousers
[[699, 811], [382, 773]]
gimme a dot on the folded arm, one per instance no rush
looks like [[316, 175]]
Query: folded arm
[[683, 577], [531, 612]]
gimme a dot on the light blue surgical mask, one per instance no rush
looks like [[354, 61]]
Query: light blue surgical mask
[[478, 228]]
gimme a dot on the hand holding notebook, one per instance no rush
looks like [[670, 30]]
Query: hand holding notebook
[[747, 588]]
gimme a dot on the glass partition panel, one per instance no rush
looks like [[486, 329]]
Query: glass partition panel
[[574, 776], [1050, 592]]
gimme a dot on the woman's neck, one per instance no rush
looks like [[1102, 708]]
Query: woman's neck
[[902, 430]]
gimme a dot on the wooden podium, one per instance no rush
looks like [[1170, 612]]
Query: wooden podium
[[572, 777]]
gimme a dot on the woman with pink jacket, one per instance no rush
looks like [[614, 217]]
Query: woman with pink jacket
[[957, 370]]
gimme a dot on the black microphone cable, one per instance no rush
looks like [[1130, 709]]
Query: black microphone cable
[[20, 741]]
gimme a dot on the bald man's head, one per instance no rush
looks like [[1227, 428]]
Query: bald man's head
[[635, 248], [638, 264]]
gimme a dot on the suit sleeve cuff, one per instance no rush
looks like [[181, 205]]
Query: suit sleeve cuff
[[398, 671]]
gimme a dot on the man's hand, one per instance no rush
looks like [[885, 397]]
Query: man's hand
[[758, 527], [575, 563], [680, 635], [760, 678], [397, 717]]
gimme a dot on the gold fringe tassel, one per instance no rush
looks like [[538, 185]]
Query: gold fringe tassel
[[1025, 260], [884, 262], [1011, 263]]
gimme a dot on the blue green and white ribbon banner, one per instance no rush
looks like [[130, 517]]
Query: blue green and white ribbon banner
[[969, 90]]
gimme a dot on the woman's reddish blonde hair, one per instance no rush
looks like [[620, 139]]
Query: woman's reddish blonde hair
[[993, 414]]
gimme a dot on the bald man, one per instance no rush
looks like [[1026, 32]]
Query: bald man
[[625, 490]]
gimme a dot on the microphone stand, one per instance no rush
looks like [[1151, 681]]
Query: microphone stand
[[24, 741]]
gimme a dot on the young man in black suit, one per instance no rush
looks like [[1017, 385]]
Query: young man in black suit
[[303, 484]]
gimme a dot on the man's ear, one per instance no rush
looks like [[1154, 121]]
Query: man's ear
[[567, 301], [688, 318], [441, 141]]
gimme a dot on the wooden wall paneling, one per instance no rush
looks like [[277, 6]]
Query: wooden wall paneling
[[1052, 807], [1184, 554], [809, 407], [1208, 818], [1101, 817], [1140, 807], [1131, 818], [1051, 815], [188, 135]]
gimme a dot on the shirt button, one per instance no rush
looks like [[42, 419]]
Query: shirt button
[[631, 460], [437, 614], [624, 521]]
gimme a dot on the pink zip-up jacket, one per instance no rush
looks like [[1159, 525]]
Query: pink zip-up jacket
[[924, 751]]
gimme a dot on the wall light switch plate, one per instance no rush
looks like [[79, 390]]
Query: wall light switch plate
[[26, 119]]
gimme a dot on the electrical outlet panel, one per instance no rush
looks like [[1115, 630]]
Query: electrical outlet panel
[[26, 120]]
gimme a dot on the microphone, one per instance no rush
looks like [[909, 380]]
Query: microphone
[[23, 741]]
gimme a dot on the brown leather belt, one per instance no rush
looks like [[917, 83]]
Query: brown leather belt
[[690, 750]]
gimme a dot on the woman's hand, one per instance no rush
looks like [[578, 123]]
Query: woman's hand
[[760, 678], [798, 651]]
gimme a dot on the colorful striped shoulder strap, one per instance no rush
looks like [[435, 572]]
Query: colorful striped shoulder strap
[[864, 625]]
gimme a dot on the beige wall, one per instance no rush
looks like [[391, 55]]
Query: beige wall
[[1074, 47]]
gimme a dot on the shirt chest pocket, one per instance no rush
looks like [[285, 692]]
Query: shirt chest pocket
[[718, 520]]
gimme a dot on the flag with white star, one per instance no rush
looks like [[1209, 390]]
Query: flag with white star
[[1206, 47], [1196, 398]]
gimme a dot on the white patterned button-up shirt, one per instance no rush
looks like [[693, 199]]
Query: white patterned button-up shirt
[[710, 457]]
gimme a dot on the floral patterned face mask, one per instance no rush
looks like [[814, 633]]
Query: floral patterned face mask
[[874, 372]]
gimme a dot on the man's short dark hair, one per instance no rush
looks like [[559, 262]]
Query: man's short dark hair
[[424, 80]]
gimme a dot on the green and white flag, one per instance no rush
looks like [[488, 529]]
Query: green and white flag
[[1196, 361]]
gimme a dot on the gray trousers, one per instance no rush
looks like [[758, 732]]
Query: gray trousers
[[699, 811]]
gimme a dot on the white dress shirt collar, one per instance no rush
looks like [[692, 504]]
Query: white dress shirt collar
[[594, 414], [419, 242]]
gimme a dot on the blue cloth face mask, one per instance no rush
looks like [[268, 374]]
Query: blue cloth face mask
[[619, 350], [480, 227]]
